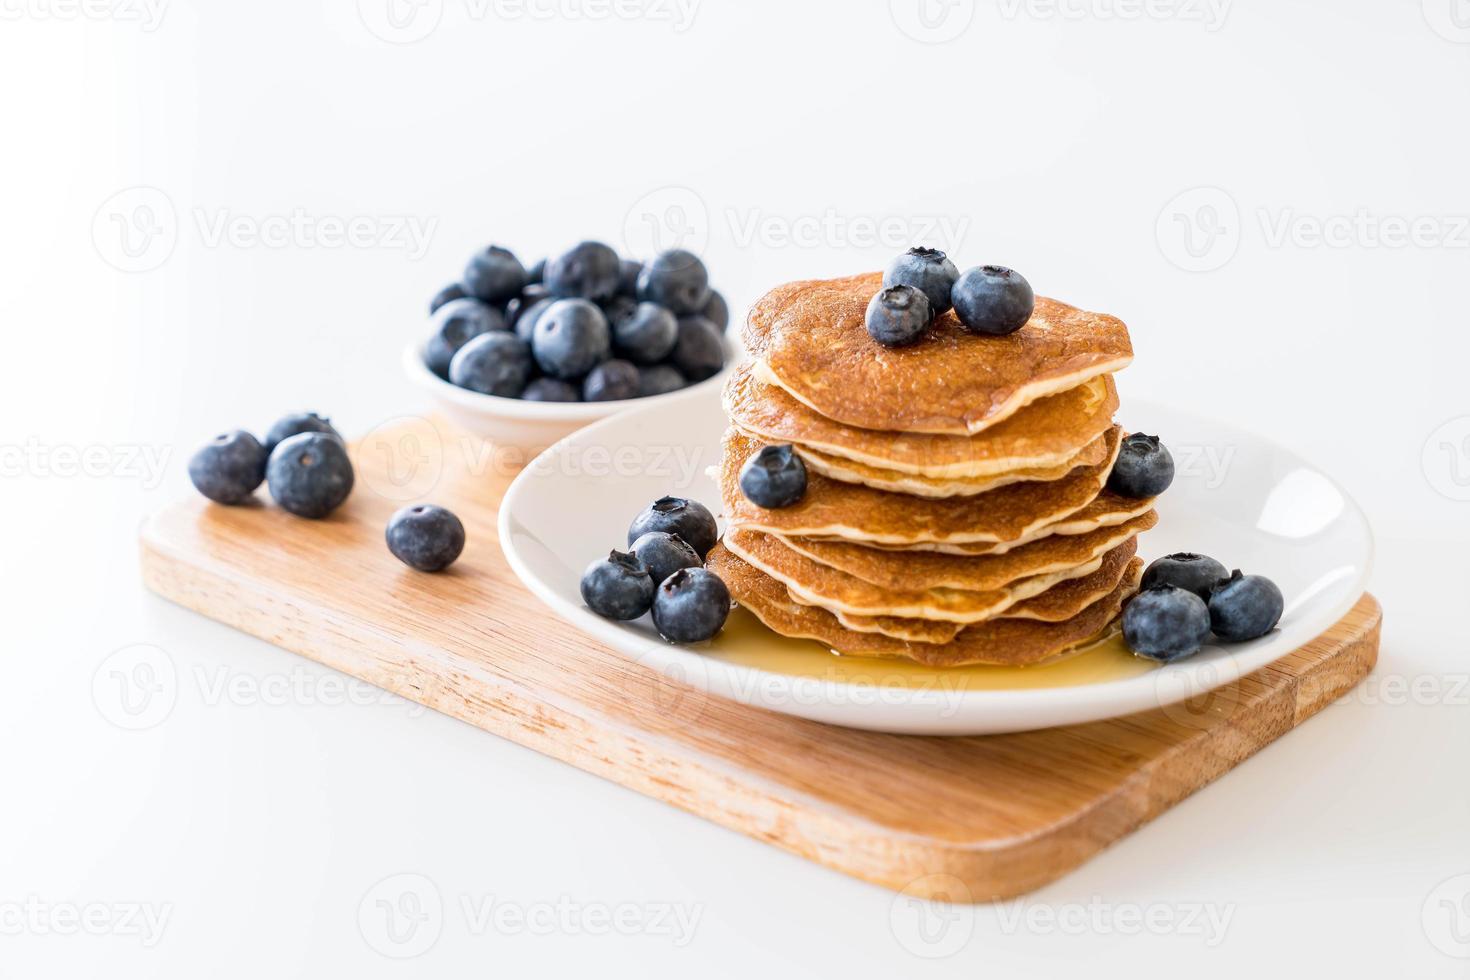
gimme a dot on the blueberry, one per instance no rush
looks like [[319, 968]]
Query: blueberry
[[310, 474], [526, 320], [617, 309], [294, 425], [494, 275], [493, 364], [1143, 468], [1243, 607], [699, 350], [647, 335], [454, 290], [611, 381], [929, 271], [570, 338], [1166, 623], [897, 316], [537, 272], [229, 468], [618, 586], [774, 477], [1191, 572], [589, 270], [689, 519], [716, 310], [455, 324], [660, 379], [665, 554], [690, 606], [528, 298], [425, 537], [992, 300], [551, 390], [675, 279], [628, 271]]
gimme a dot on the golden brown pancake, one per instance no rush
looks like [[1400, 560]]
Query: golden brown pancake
[[811, 338], [832, 509], [1108, 510], [999, 641], [816, 584], [1047, 433], [918, 570]]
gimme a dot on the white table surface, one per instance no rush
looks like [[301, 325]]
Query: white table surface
[[250, 827]]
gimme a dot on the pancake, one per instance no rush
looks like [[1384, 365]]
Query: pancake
[[850, 471], [815, 584], [1000, 641], [918, 570], [811, 339], [1047, 433], [1108, 510], [832, 509], [1062, 601]]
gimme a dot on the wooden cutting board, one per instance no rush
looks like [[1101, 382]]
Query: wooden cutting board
[[963, 819]]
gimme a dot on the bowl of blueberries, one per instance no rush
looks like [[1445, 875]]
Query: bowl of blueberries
[[523, 356]]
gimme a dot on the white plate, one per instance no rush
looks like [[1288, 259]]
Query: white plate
[[1236, 497]]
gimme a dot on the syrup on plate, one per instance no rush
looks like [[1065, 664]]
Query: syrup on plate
[[745, 640]]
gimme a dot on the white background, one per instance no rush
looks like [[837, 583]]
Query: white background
[[1055, 140]]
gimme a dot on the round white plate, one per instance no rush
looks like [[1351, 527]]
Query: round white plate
[[1236, 497]]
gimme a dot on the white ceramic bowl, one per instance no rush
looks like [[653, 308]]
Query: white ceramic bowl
[[1237, 496], [532, 426]]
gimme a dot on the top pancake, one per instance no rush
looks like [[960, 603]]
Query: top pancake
[[812, 341], [1046, 433]]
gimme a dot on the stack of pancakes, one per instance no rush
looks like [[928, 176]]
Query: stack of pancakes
[[956, 509]]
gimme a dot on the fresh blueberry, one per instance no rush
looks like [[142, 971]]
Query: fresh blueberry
[[690, 606], [699, 350], [455, 324], [1243, 607], [665, 554], [716, 310], [529, 297], [992, 300], [526, 321], [589, 270], [618, 586], [537, 272], [774, 477], [229, 468], [551, 390], [617, 309], [628, 271], [494, 275], [647, 335], [570, 338], [1166, 623], [294, 425], [425, 537], [660, 379], [689, 519], [496, 363], [897, 316], [310, 474], [452, 291], [677, 280], [1144, 467], [1191, 572], [611, 381], [929, 271]]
